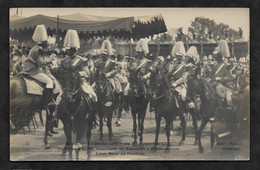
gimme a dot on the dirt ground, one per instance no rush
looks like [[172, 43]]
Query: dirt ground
[[30, 146]]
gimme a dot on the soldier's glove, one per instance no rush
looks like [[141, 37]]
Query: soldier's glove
[[173, 85], [108, 75], [191, 105]]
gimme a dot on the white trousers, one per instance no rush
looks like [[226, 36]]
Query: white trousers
[[44, 79]]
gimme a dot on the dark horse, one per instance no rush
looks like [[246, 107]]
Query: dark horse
[[75, 112], [233, 125], [22, 104], [106, 101], [164, 101], [201, 101], [138, 104]]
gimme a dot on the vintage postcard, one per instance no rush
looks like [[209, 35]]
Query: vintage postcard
[[102, 84]]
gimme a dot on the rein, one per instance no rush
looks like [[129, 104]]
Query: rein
[[161, 96], [75, 94]]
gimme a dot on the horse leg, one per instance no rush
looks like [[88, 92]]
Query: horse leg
[[101, 124], [119, 115], [45, 140], [212, 136], [35, 121], [202, 126], [41, 119], [80, 131], [109, 122], [89, 128], [195, 125], [171, 128], [168, 124], [139, 123], [184, 123], [28, 123], [134, 127], [68, 145], [141, 127], [157, 131]]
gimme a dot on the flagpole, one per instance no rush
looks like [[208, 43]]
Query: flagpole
[[57, 30]]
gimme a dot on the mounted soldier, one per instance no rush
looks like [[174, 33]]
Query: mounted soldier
[[74, 62], [37, 59], [178, 53], [107, 65], [139, 68], [221, 77]]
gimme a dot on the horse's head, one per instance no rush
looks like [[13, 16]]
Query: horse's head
[[70, 82], [100, 80]]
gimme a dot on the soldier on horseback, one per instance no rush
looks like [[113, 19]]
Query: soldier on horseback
[[178, 52], [139, 69], [107, 65], [36, 60], [74, 62], [221, 77]]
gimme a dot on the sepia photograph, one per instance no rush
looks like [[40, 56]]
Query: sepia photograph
[[129, 84]]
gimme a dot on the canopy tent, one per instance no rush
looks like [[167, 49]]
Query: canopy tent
[[84, 17], [90, 26]]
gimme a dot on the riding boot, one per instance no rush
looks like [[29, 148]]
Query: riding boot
[[48, 97]]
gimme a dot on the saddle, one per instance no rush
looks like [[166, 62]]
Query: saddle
[[33, 86]]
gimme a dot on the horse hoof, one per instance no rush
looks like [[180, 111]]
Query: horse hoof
[[47, 146], [141, 143], [135, 143], [201, 149]]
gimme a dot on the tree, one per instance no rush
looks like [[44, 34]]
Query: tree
[[204, 29]]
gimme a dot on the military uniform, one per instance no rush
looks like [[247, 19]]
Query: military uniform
[[78, 63], [140, 72], [221, 78]]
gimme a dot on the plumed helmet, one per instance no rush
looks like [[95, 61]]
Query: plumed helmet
[[40, 34], [142, 46], [178, 49], [71, 40], [106, 48], [192, 52], [223, 48]]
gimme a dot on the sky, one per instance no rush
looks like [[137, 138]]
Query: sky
[[173, 17]]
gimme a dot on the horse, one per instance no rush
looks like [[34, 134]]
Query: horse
[[138, 103], [202, 103], [75, 112], [106, 104], [22, 104], [234, 124], [164, 101]]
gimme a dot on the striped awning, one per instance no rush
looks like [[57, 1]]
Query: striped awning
[[129, 27]]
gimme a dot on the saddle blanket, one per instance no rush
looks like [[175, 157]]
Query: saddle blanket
[[33, 87]]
